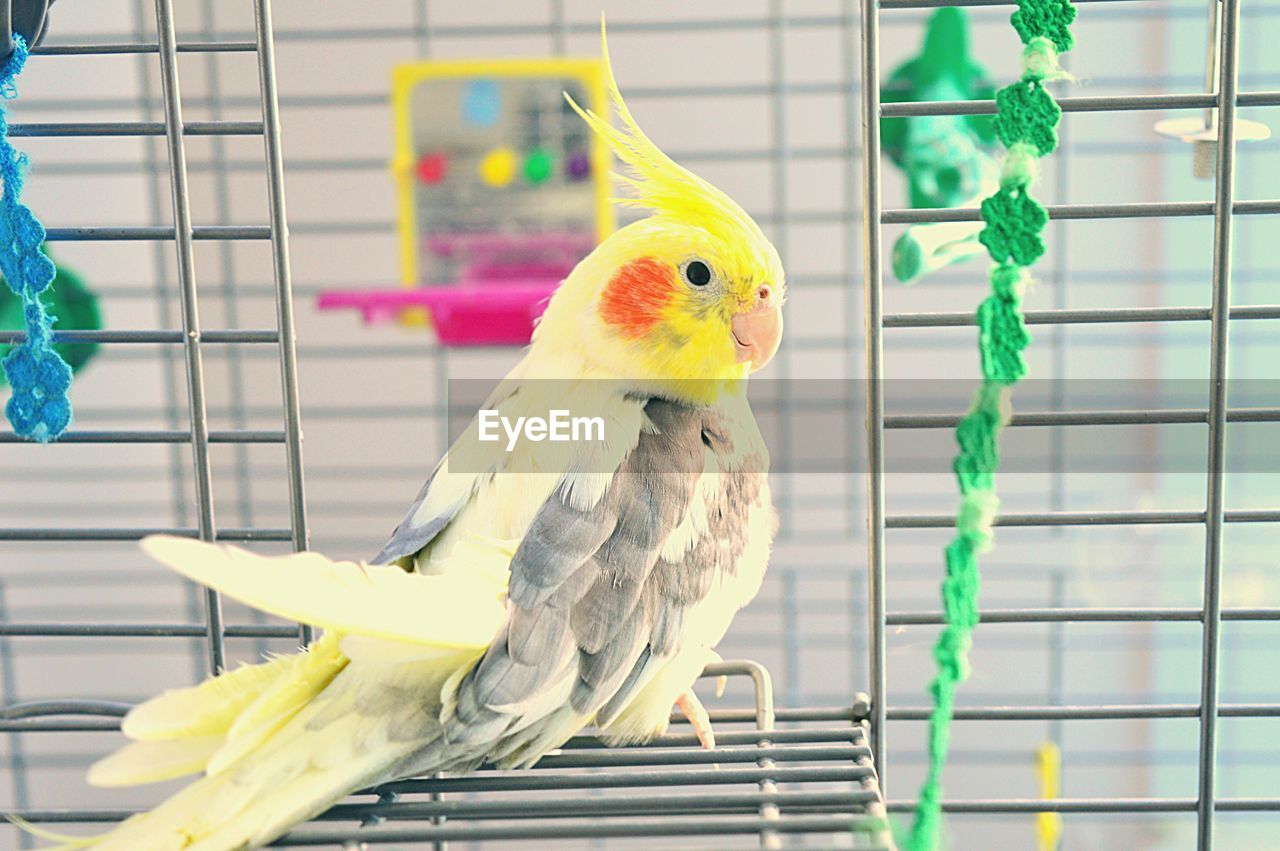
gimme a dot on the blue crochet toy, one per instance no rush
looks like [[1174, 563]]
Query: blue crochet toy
[[39, 408]]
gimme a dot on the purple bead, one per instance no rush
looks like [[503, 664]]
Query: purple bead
[[578, 166]]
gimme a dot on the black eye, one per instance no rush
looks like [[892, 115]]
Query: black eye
[[698, 273]]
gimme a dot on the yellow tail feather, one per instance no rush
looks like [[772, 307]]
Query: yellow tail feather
[[457, 609], [282, 781], [150, 762], [65, 841], [178, 735], [204, 710], [311, 674]]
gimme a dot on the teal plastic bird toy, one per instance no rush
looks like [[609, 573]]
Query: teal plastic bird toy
[[945, 157]]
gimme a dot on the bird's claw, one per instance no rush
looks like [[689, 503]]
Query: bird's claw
[[697, 716]]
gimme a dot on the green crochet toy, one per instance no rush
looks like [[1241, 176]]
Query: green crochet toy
[[1012, 224], [74, 305]]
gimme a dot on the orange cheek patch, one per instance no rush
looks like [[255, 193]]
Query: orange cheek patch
[[635, 296]]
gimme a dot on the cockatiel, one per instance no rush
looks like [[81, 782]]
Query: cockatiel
[[528, 593]]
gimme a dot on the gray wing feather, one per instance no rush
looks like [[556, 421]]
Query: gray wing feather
[[603, 610], [409, 537], [534, 634], [601, 674], [500, 680], [668, 622], [557, 543], [618, 702], [679, 584]]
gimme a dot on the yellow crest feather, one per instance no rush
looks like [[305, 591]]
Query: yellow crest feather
[[659, 183]]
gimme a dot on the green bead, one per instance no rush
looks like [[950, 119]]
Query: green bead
[[1001, 338], [1027, 113], [979, 457], [538, 165], [1014, 221], [1049, 18]]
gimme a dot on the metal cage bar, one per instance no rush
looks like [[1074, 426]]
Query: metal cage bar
[[1227, 14], [183, 233], [285, 325], [873, 323], [228, 284], [762, 756]]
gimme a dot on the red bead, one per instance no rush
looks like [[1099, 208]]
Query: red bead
[[432, 168]]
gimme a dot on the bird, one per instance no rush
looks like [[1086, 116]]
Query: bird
[[534, 588]]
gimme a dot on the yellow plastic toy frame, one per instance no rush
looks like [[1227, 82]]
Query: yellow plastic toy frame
[[405, 78]]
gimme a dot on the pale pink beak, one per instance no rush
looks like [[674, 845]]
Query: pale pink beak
[[757, 331]]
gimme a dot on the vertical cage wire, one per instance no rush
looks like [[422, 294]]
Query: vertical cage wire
[[285, 325], [182, 234], [1056, 645], [873, 319], [1228, 52], [163, 299]]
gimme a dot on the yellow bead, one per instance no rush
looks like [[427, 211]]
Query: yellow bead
[[498, 167]]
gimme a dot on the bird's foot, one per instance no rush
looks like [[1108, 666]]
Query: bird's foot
[[697, 716]]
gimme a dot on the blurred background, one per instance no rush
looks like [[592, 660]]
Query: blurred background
[[761, 98]]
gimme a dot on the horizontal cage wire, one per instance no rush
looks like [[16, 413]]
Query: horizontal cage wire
[[1096, 615]]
